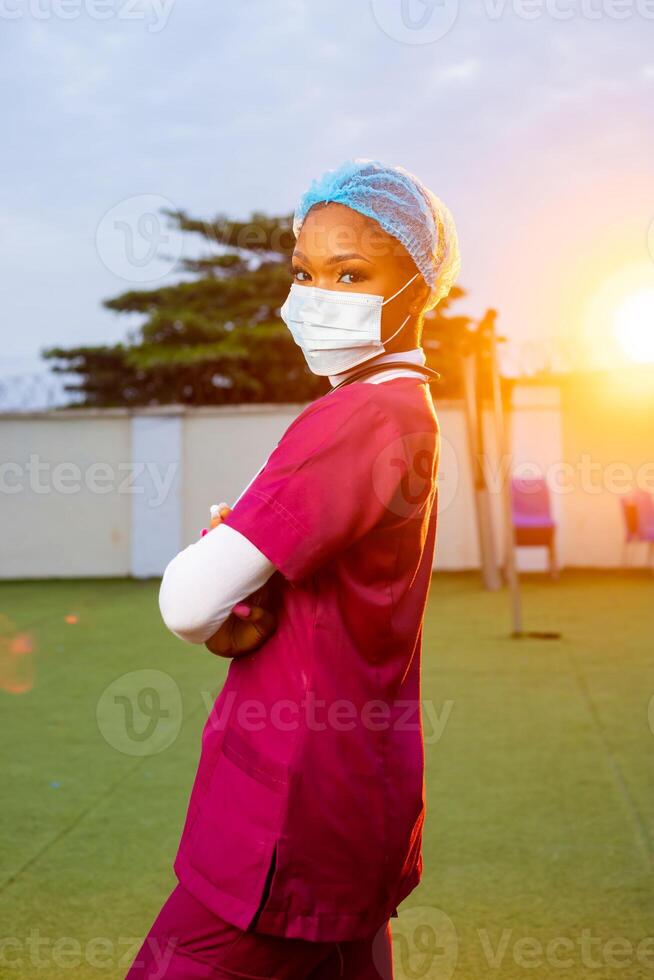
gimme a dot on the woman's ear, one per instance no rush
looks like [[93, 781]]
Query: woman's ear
[[420, 295]]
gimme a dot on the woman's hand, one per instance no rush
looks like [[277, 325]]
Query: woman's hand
[[218, 514], [249, 624], [246, 629]]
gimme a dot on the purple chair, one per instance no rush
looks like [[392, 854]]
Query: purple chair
[[532, 517], [638, 514]]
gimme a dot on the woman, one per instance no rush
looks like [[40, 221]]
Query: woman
[[303, 832]]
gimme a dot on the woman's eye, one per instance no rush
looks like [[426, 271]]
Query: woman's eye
[[349, 277], [300, 275]]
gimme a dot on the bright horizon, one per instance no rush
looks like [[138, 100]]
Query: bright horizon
[[536, 131]]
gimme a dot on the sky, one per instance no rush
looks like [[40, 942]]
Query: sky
[[532, 119]]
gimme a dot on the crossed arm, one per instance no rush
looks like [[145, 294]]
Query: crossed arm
[[204, 587]]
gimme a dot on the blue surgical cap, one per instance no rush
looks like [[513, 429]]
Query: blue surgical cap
[[403, 207]]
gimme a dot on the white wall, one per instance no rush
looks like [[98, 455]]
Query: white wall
[[608, 446], [457, 545], [156, 511], [60, 512], [536, 448], [109, 493], [222, 452]]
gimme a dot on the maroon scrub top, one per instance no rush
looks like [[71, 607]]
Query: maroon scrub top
[[306, 815]]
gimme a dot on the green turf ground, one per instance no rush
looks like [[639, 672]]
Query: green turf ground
[[540, 835]]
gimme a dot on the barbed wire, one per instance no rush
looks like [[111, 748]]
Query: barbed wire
[[550, 355], [39, 391], [36, 391]]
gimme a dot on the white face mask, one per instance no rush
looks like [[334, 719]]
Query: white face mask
[[337, 330]]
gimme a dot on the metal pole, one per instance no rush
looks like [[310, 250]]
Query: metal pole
[[504, 449], [490, 571]]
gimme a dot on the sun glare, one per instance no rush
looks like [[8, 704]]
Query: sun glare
[[633, 326]]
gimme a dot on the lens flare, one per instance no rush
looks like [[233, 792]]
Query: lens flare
[[16, 658], [633, 326]]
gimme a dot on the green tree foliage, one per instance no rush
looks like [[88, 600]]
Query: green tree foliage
[[215, 337]]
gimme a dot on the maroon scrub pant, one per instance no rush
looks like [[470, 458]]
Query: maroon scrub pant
[[187, 942]]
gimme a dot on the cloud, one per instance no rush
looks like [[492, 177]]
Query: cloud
[[459, 71], [231, 107]]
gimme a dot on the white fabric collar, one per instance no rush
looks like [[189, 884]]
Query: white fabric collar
[[416, 356]]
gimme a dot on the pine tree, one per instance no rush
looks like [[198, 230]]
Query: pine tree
[[216, 338]]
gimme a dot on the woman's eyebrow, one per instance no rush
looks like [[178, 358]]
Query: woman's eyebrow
[[334, 259]]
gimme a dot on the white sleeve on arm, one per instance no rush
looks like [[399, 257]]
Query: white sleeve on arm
[[203, 583]]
